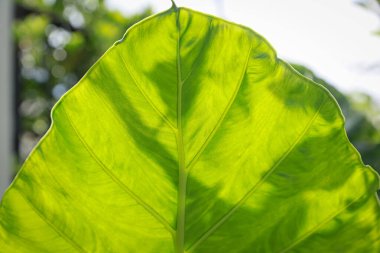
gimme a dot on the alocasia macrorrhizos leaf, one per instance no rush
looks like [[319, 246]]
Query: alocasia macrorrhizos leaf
[[190, 135]]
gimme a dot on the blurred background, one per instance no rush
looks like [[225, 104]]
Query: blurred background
[[46, 46]]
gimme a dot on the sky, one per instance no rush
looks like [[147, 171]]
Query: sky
[[334, 38]]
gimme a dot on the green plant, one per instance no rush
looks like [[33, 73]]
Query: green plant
[[190, 135]]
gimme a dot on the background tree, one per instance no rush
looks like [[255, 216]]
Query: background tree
[[56, 43]]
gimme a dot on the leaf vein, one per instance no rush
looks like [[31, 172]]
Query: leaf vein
[[49, 223], [163, 116], [199, 57], [217, 125], [112, 176], [327, 220], [225, 217], [182, 175]]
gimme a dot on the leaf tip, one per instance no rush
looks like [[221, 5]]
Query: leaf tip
[[174, 6]]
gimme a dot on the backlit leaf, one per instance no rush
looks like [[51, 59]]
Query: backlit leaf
[[190, 135]]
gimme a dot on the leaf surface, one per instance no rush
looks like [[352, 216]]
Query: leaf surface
[[190, 135]]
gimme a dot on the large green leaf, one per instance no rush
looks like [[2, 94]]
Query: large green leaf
[[190, 134]]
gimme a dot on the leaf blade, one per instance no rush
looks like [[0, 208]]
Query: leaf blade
[[266, 162]]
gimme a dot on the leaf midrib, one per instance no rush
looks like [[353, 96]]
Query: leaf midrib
[[182, 173]]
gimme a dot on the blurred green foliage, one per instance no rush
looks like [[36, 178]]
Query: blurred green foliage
[[371, 5], [57, 41]]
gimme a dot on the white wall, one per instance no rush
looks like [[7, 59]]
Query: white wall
[[6, 94]]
